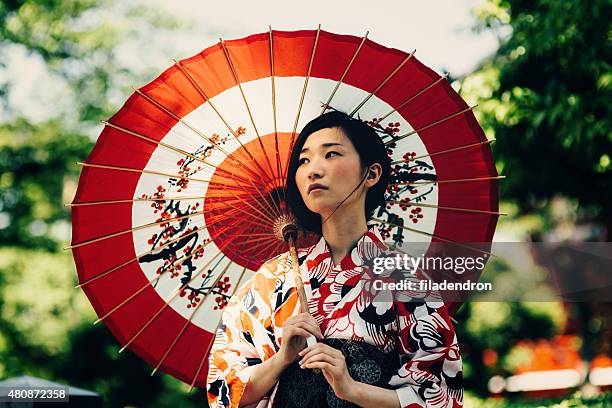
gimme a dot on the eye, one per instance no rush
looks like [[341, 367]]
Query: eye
[[332, 152], [302, 161]]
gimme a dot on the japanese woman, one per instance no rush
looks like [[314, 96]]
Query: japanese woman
[[368, 353]]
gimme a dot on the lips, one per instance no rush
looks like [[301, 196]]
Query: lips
[[316, 186]]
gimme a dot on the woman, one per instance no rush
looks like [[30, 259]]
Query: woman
[[338, 174]]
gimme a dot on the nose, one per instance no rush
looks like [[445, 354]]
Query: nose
[[315, 171]]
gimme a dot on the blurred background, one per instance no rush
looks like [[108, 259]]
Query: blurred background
[[539, 71]]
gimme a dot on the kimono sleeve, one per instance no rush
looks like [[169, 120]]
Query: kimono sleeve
[[431, 372], [244, 339]]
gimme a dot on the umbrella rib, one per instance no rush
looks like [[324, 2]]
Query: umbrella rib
[[203, 94], [102, 274], [383, 83], [302, 97], [202, 135], [193, 312], [248, 108], [136, 200], [190, 155], [115, 234], [270, 240], [246, 103], [255, 228], [158, 173], [129, 261], [252, 221], [169, 147], [207, 352], [275, 248], [346, 70], [263, 234], [157, 199], [279, 167], [152, 224], [414, 96], [409, 204], [146, 285], [204, 356], [207, 99], [133, 200], [175, 292], [465, 146], [418, 231], [252, 218], [255, 209], [437, 122], [198, 132], [450, 181], [246, 212]]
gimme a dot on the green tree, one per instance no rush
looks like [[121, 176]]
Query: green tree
[[545, 97], [45, 324]]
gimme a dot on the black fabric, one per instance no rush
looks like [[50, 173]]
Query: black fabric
[[302, 387]]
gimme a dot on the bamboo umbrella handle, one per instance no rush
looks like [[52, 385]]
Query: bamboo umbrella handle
[[299, 284], [290, 231]]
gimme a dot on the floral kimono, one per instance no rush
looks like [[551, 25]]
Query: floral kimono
[[342, 303]]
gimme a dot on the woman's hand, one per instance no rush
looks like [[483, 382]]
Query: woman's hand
[[295, 331], [333, 365]]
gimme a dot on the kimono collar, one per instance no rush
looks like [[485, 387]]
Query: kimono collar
[[370, 245]]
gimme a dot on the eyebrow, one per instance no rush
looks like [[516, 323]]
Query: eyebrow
[[324, 145]]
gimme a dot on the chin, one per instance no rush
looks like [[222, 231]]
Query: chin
[[321, 208]]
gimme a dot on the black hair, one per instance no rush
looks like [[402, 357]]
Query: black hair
[[370, 149]]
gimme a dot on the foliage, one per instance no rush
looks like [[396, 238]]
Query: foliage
[[79, 42], [46, 331], [545, 97], [45, 324], [576, 401], [37, 169]]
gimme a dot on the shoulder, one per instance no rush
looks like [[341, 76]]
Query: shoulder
[[267, 276], [281, 263]]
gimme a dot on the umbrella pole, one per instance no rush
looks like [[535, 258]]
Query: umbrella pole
[[290, 234], [299, 284]]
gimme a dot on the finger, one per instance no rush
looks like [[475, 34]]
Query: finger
[[308, 349], [310, 355], [302, 316], [295, 331], [316, 330], [323, 346], [321, 357], [291, 319], [298, 317], [316, 349], [308, 328], [309, 318], [305, 318], [320, 364]]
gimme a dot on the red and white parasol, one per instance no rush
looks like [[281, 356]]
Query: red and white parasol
[[176, 204]]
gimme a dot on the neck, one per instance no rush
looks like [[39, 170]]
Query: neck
[[342, 231]]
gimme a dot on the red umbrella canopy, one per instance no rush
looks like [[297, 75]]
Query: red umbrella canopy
[[177, 202]]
